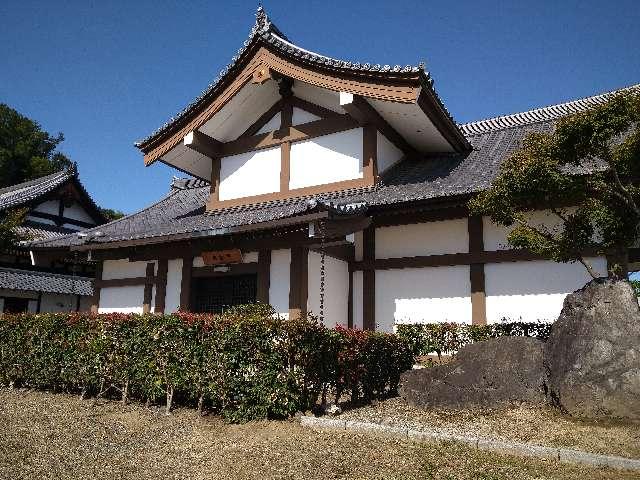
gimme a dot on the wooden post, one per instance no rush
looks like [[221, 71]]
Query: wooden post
[[185, 286], [264, 276], [95, 300], [161, 285], [148, 288], [298, 282], [369, 279], [476, 272]]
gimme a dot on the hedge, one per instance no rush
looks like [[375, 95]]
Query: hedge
[[439, 338], [245, 364]]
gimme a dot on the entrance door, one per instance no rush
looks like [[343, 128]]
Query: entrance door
[[215, 294]]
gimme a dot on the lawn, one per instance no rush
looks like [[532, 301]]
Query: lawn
[[59, 436]]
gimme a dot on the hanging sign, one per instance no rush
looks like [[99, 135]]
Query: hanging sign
[[222, 257]]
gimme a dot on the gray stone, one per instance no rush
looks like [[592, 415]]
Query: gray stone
[[593, 353], [494, 373]]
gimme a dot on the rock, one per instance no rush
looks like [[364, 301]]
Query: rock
[[333, 409], [593, 353], [494, 373]]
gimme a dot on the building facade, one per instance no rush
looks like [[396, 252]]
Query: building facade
[[330, 187]]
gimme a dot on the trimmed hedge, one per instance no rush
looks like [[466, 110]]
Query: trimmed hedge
[[439, 338], [244, 364]]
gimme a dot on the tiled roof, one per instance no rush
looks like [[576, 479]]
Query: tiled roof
[[182, 211], [15, 279], [31, 230], [265, 31], [23, 193]]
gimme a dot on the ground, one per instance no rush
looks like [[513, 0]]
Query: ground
[[47, 436]]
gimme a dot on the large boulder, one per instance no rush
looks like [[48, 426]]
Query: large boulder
[[593, 353], [494, 373]]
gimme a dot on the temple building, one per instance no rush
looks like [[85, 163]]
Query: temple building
[[56, 205], [324, 186]]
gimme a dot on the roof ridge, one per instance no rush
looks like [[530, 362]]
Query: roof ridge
[[34, 181], [540, 114]]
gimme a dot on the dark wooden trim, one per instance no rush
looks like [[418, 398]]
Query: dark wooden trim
[[476, 272], [148, 287], [263, 119], [430, 106], [285, 166], [420, 216], [161, 285], [60, 211], [78, 300], [95, 300], [214, 190], [362, 111], [312, 108], [286, 117], [203, 144], [370, 153], [185, 284], [39, 299], [298, 282], [126, 282], [344, 252], [369, 280], [224, 270], [60, 220], [350, 301], [264, 275], [296, 192]]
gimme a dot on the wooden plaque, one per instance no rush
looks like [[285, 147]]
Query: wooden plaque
[[222, 257]]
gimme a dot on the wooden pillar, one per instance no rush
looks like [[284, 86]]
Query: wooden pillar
[[161, 285], [214, 190], [148, 288], [298, 282], [369, 278], [370, 153], [476, 272], [286, 119], [95, 300], [185, 285], [264, 276]]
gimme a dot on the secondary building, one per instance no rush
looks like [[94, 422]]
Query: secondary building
[[331, 187]]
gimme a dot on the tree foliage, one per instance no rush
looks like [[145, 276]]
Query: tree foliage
[[9, 234], [586, 172], [111, 214], [26, 151]]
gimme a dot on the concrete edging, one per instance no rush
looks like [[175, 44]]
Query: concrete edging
[[564, 455]]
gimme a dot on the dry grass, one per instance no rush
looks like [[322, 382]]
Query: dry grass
[[540, 426], [47, 436]]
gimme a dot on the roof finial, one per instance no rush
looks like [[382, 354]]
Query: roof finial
[[261, 15]]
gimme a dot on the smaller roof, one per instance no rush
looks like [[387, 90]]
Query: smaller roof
[[16, 279]]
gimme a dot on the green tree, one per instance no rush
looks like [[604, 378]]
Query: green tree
[[26, 151], [9, 221], [111, 214], [586, 172]]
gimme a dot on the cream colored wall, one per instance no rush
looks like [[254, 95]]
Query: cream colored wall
[[326, 159], [174, 285], [279, 281], [336, 299], [531, 291], [388, 153], [433, 238], [495, 236], [251, 173], [123, 299]]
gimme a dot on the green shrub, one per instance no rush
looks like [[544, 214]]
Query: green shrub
[[439, 338], [245, 364]]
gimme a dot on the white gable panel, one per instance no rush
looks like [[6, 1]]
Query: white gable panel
[[50, 206], [327, 159], [388, 153], [325, 98], [251, 173], [271, 125], [302, 116], [76, 212]]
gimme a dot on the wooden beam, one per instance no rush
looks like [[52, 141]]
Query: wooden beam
[[263, 119], [148, 288], [370, 153], [224, 270], [203, 144], [298, 282], [126, 282], [161, 285], [264, 275], [214, 189], [365, 114], [369, 280], [420, 216], [312, 108], [185, 284]]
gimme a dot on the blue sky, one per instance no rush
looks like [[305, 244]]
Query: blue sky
[[108, 73]]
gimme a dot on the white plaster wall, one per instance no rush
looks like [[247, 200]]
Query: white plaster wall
[[302, 116], [495, 236], [336, 289], [320, 96], [46, 221], [76, 212], [55, 302], [112, 269], [357, 300], [531, 291], [174, 285], [121, 299], [279, 281], [271, 125], [388, 153], [50, 206], [431, 238], [251, 173], [414, 295], [32, 306], [326, 159]]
